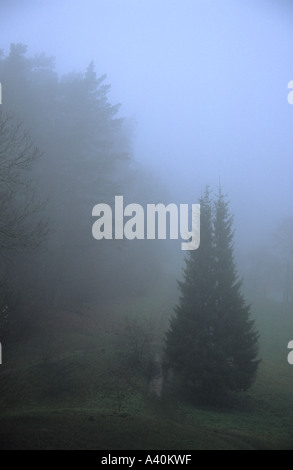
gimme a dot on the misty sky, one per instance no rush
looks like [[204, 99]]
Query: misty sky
[[205, 82]]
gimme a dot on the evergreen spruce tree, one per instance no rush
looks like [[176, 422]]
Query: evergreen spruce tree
[[234, 329], [211, 344], [188, 338]]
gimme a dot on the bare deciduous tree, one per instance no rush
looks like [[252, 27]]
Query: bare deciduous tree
[[21, 226]]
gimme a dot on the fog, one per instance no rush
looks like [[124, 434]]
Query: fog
[[152, 100], [204, 83]]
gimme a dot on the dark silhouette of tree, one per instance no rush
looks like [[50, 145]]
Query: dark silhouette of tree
[[211, 344], [85, 157], [234, 328], [21, 224]]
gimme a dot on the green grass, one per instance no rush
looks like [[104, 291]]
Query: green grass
[[69, 388]]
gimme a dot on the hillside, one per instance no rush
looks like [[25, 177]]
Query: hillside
[[70, 385]]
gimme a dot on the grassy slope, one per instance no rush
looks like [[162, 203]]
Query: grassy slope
[[65, 388]]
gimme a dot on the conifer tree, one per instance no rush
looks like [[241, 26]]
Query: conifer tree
[[211, 344], [187, 340], [234, 328]]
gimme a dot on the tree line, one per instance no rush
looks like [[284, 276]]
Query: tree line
[[64, 147]]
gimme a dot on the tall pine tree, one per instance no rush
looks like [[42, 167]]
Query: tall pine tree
[[234, 328], [188, 339], [211, 344]]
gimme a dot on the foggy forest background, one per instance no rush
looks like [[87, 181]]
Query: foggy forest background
[[83, 322], [80, 153]]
